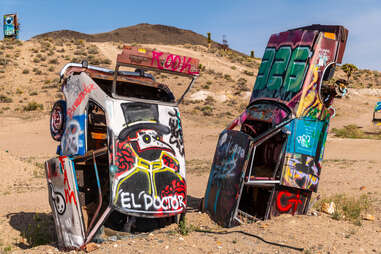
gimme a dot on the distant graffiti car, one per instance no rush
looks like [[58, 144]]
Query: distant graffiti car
[[121, 152], [272, 164], [10, 26], [377, 113]]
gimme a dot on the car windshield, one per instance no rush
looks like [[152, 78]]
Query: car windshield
[[133, 90]]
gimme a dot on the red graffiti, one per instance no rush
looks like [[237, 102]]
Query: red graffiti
[[125, 158], [86, 90], [170, 163], [292, 203], [69, 193], [172, 62]]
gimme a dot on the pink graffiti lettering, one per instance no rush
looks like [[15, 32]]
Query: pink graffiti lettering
[[82, 95], [156, 56], [172, 62]]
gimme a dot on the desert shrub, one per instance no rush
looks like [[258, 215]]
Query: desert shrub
[[25, 71], [92, 50], [348, 131], [348, 208], [248, 73], [205, 110], [241, 85], [51, 69], [5, 99], [34, 93], [53, 61], [205, 86], [227, 77], [233, 67], [19, 91], [354, 131], [36, 60], [209, 100], [33, 106]]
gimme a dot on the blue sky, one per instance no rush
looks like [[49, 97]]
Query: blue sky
[[246, 24]]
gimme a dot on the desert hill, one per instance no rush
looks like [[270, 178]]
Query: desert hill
[[29, 86], [141, 33]]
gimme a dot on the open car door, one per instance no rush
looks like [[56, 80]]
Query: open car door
[[63, 199]]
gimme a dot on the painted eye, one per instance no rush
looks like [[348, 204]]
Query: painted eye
[[157, 138], [146, 139]]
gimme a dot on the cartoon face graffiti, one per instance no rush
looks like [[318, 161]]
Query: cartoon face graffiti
[[58, 200], [150, 140], [148, 172]]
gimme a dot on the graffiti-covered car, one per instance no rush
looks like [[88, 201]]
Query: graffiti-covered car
[[121, 152], [10, 26], [377, 113], [268, 161]]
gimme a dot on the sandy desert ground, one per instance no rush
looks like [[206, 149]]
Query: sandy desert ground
[[352, 167]]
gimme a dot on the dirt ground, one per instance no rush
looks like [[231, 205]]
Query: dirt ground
[[351, 167]]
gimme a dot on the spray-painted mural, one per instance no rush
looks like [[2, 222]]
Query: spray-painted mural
[[121, 145], [150, 174], [288, 147], [226, 176]]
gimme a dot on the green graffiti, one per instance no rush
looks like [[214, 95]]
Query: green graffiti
[[295, 72], [278, 68], [283, 68], [264, 69]]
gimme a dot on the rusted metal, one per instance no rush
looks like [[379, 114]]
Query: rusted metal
[[158, 61], [91, 153], [100, 200]]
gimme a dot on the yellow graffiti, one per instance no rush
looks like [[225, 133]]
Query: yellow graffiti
[[145, 166], [310, 99]]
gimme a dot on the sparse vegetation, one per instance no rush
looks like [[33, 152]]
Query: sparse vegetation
[[348, 208], [33, 106], [354, 131], [248, 73], [5, 99]]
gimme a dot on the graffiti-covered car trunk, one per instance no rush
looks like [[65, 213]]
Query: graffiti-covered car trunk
[[282, 131], [121, 152], [149, 174]]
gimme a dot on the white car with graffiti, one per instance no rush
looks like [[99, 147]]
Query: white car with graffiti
[[121, 152]]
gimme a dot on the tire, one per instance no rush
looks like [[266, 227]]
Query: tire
[[58, 120]]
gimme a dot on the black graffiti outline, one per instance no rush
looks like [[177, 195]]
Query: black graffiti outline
[[176, 131]]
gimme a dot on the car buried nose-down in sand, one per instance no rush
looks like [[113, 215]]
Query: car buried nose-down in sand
[[272, 164], [121, 152]]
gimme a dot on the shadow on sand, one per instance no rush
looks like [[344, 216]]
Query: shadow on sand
[[36, 228]]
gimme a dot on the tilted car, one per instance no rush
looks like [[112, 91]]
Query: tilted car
[[121, 152], [272, 164]]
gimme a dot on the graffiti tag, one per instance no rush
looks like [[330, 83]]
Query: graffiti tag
[[176, 137], [69, 193], [304, 140], [292, 201], [86, 90], [172, 62], [146, 202]]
